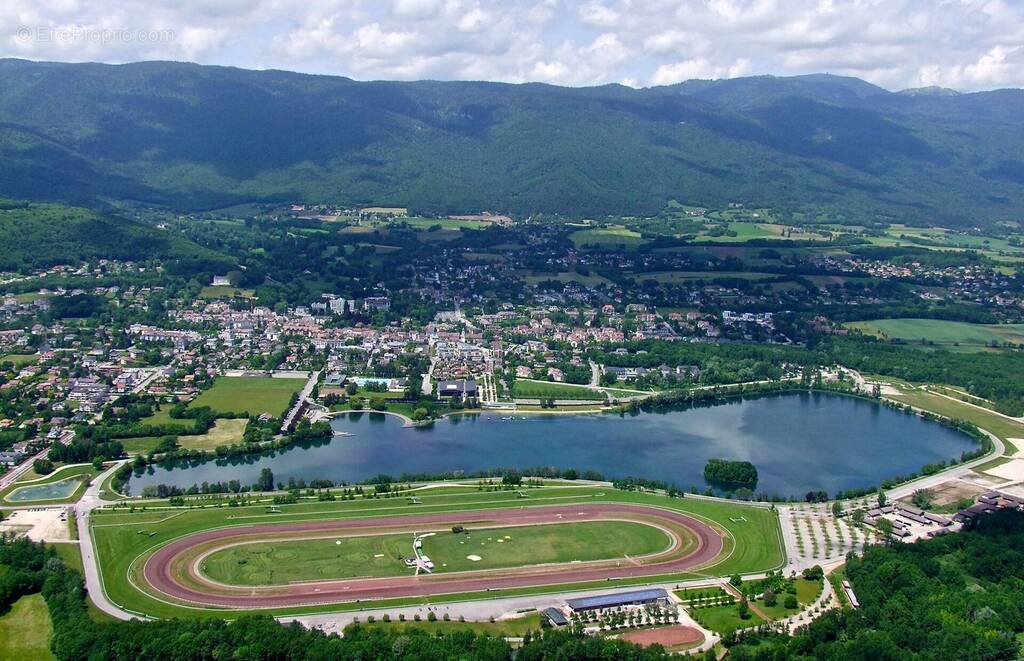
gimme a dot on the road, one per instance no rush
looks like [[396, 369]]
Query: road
[[289, 419], [93, 584]]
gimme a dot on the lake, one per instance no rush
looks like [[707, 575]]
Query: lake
[[799, 442]]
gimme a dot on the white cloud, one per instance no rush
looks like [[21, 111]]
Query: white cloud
[[966, 44]]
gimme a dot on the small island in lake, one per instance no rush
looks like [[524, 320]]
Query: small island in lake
[[723, 472]]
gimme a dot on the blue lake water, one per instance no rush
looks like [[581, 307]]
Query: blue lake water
[[799, 442]]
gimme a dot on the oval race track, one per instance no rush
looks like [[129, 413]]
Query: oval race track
[[172, 569]]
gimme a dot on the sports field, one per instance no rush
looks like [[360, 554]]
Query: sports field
[[253, 394], [941, 332], [544, 389], [126, 541], [381, 555]]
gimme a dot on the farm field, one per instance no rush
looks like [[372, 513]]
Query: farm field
[[607, 237], [544, 389], [381, 555], [124, 539], [941, 332], [25, 630], [253, 394]]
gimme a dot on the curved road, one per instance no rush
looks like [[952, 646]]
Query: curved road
[[163, 567]]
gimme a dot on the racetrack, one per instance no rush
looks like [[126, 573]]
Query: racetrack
[[173, 571]]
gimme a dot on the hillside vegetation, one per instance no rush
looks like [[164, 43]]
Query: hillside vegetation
[[192, 136]]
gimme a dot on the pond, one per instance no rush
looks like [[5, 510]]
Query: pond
[[51, 491], [798, 442]]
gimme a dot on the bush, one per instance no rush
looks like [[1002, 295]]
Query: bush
[[42, 466], [431, 616], [790, 601]]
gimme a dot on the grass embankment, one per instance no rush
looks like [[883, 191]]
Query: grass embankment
[[999, 425], [124, 540], [80, 473], [278, 563], [25, 631]]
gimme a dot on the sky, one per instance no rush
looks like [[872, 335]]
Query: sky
[[966, 45]]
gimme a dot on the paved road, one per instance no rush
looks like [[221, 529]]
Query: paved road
[[90, 501], [160, 569], [303, 397]]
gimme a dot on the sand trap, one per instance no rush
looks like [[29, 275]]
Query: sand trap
[[379, 555], [501, 541], [474, 558]]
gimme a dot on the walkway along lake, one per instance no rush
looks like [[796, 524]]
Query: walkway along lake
[[799, 442]]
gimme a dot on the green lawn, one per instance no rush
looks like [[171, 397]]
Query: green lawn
[[25, 631], [19, 359], [123, 539], [545, 389], [941, 332], [724, 619], [225, 291], [253, 394], [535, 277], [277, 563]]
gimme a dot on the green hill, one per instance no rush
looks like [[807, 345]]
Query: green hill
[[194, 137], [41, 235]]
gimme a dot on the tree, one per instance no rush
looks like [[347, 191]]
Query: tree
[[790, 602], [837, 508], [881, 498], [266, 481], [42, 466], [743, 608], [770, 598], [735, 580]]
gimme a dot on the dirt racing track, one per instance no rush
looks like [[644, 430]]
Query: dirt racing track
[[172, 572]]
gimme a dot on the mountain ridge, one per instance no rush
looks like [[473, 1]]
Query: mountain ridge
[[190, 136]]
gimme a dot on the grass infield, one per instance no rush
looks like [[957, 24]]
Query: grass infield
[[278, 563], [125, 540]]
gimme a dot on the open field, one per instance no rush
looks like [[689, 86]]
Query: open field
[[126, 540], [225, 291], [381, 555], [724, 619], [544, 389], [19, 359], [533, 278], [25, 631], [225, 431], [941, 332], [253, 394], [707, 276], [607, 237]]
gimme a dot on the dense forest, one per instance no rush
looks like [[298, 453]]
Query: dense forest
[[958, 596], [185, 136]]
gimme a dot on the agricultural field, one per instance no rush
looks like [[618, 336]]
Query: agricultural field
[[25, 630], [253, 394], [941, 332], [607, 237], [124, 540], [528, 389]]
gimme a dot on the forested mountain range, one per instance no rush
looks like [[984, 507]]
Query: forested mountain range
[[197, 137]]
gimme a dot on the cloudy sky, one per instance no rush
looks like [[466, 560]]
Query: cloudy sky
[[963, 44]]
